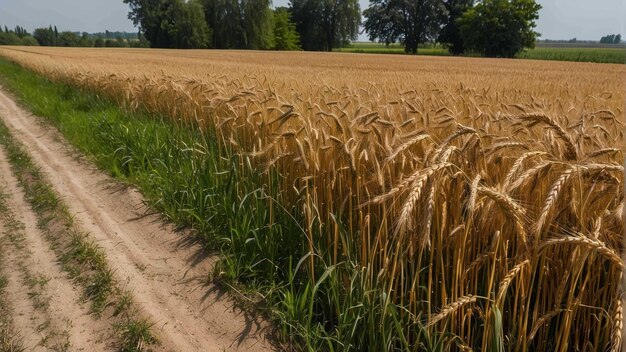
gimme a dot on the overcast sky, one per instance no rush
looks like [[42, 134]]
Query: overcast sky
[[559, 19]]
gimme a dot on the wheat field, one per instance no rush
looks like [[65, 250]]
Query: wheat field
[[484, 197]]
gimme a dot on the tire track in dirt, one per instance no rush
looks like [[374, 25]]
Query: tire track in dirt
[[166, 273], [22, 319], [45, 303]]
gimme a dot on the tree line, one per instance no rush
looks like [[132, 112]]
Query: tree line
[[50, 36], [490, 27], [221, 24], [16, 36], [498, 28], [495, 28], [611, 39]]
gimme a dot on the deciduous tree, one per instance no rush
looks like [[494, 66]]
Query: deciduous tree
[[148, 15], [187, 28], [451, 33], [326, 24], [240, 24], [171, 23], [412, 22], [45, 36], [286, 36], [68, 39], [500, 28]]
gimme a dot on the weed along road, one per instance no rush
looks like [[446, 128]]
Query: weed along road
[[149, 266]]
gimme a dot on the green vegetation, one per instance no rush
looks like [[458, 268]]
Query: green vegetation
[[52, 37], [451, 31], [17, 36], [395, 48], [171, 24], [433, 27], [218, 24], [324, 25], [408, 21], [235, 24], [493, 28], [251, 24], [600, 55], [185, 27], [500, 28], [80, 257], [286, 36], [580, 53], [611, 39]]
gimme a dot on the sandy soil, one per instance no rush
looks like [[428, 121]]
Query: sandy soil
[[166, 272]]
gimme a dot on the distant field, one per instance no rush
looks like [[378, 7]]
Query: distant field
[[613, 54], [379, 48], [582, 52]]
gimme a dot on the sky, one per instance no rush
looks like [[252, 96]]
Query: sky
[[558, 19]]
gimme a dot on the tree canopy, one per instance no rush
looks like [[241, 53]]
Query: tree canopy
[[171, 23], [500, 28], [451, 32], [286, 36], [326, 24], [611, 39], [240, 24], [45, 36], [17, 36], [412, 22], [187, 27], [68, 39]]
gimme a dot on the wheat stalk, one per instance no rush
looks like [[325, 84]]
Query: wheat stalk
[[595, 245], [504, 284], [450, 309], [552, 198], [571, 151], [618, 321]]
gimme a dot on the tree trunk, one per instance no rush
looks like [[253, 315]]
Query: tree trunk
[[331, 32], [410, 45]]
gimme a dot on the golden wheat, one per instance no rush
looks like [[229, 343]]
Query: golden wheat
[[440, 167]]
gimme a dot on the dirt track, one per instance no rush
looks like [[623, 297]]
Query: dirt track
[[166, 273], [45, 304]]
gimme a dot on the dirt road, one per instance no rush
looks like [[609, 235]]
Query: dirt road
[[167, 274], [46, 308]]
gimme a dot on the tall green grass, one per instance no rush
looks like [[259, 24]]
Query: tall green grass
[[201, 184]]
